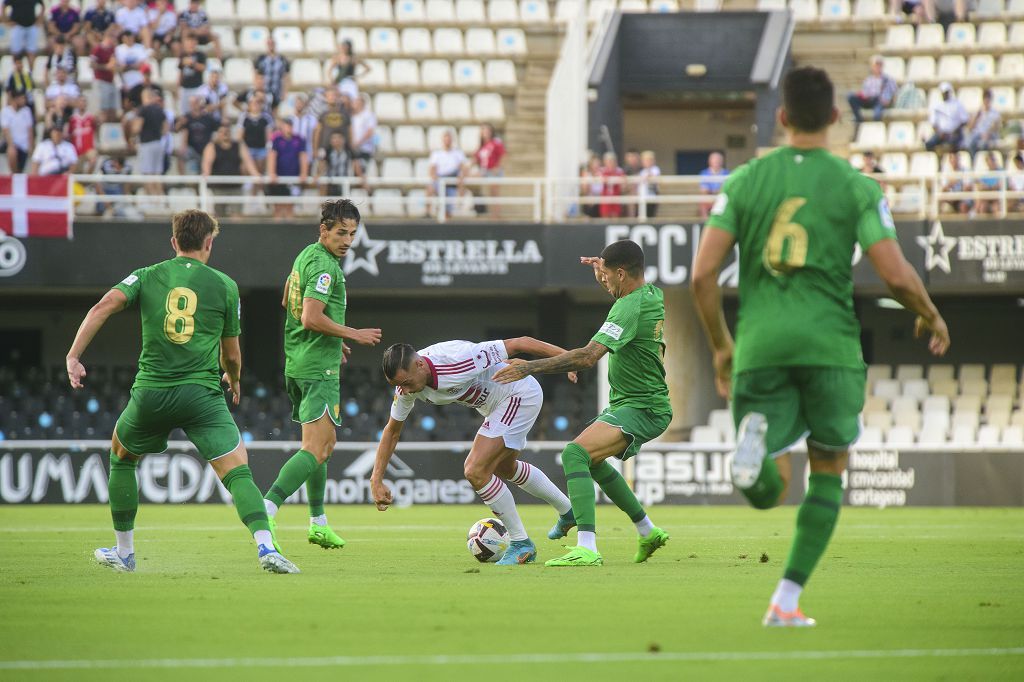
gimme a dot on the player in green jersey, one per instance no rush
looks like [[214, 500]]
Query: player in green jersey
[[190, 326], [797, 215], [314, 328], [638, 409]]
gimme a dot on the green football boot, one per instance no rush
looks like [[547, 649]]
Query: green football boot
[[325, 537], [577, 556], [273, 533], [646, 546]]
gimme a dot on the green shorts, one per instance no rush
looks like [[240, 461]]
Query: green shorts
[[313, 398], [822, 403], [200, 411], [638, 425]]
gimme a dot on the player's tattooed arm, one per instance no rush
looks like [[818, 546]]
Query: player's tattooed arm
[[569, 361]]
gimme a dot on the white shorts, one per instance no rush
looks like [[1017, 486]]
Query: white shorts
[[512, 418]]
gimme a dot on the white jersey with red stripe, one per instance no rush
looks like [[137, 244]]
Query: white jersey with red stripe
[[461, 372]]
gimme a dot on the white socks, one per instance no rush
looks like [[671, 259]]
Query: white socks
[[644, 526], [498, 497], [536, 482], [263, 537], [318, 520], [588, 539], [125, 542], [787, 596], [270, 506]]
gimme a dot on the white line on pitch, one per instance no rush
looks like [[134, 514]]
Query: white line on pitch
[[476, 660]]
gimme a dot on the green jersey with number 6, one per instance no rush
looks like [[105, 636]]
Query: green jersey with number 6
[[797, 216], [187, 307], [308, 354]]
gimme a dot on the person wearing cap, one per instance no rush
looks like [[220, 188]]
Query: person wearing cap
[[191, 69], [876, 92], [948, 119]]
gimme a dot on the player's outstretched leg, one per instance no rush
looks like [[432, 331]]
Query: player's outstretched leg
[[249, 505], [576, 463], [535, 482], [123, 490], [754, 474], [651, 537], [319, 532]]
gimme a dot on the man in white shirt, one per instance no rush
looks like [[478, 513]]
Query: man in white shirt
[[447, 162], [131, 17], [18, 125], [130, 55], [54, 155], [947, 119], [62, 86], [461, 372], [363, 131]]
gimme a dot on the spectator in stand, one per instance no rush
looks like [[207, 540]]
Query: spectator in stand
[[66, 21], [96, 23], [592, 186], [336, 163], [103, 66], [335, 118], [147, 80], [1015, 183], [214, 93], [191, 69], [131, 17], [62, 86], [869, 164], [54, 155], [163, 25], [631, 167], [150, 126], [447, 162], [647, 187], [226, 156], [919, 11], [715, 173], [259, 87], [256, 126], [200, 125], [954, 180], [947, 119], [876, 92], [112, 166], [614, 183], [20, 81], [24, 17], [488, 157], [82, 129], [364, 136], [58, 113], [19, 129], [345, 68], [304, 123], [984, 127], [274, 69], [989, 182], [62, 56], [287, 158], [130, 55], [195, 23]]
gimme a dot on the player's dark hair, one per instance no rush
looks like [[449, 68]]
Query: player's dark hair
[[808, 97], [191, 227], [397, 357], [624, 254], [337, 210]]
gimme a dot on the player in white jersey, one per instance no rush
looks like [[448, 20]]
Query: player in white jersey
[[461, 372]]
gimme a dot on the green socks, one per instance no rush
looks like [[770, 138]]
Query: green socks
[[764, 494], [580, 485], [814, 524], [294, 473], [617, 490], [123, 492], [247, 498], [316, 487]]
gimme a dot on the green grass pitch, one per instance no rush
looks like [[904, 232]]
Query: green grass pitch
[[901, 595]]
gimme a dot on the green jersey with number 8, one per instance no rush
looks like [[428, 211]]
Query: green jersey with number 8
[[186, 308], [797, 216]]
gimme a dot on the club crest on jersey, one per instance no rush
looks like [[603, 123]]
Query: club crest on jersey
[[611, 329], [323, 283]]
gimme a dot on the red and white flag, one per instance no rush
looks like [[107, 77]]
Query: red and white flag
[[35, 205]]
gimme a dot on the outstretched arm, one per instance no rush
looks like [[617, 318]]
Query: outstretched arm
[[314, 319], [527, 345], [569, 361], [715, 245], [112, 302], [388, 442], [907, 288]]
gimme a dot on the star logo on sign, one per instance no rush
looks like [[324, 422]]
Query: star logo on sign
[[937, 247], [369, 249]]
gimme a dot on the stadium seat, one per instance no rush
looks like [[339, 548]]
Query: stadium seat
[[835, 10], [901, 136], [410, 11], [988, 8], [455, 107], [421, 168], [908, 372], [111, 139], [388, 202], [479, 41], [1011, 66], [921, 68], [963, 435], [422, 106], [894, 163], [869, 9], [565, 10], [931, 436], [870, 436], [434, 134], [384, 140], [168, 71], [384, 41], [376, 74], [895, 67], [952, 67], [396, 169], [416, 41], [502, 12], [469, 138], [878, 420], [389, 106], [899, 436], [316, 12], [511, 41], [320, 40], [978, 387], [501, 73], [226, 35], [403, 73], [663, 6], [410, 140], [1003, 372], [440, 11], [940, 371], [960, 35], [705, 435], [84, 77], [284, 11], [771, 5], [874, 403], [924, 163], [448, 41], [238, 72], [306, 73], [930, 35], [436, 73], [876, 372], [288, 39], [935, 403], [416, 202], [488, 106], [916, 389], [534, 11], [357, 36], [347, 11], [967, 403], [992, 34], [946, 387], [804, 10], [1000, 418], [251, 11], [870, 135], [222, 10], [982, 67], [887, 388], [1016, 35], [971, 371], [988, 436], [899, 37], [253, 39], [377, 11], [469, 73], [470, 11], [1015, 7], [1013, 436]]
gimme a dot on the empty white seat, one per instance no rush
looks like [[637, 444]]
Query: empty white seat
[[935, 420], [436, 73], [879, 420], [488, 106], [835, 9], [389, 106], [896, 67], [1011, 66], [316, 11], [397, 169], [470, 11], [111, 139], [566, 10], [410, 11], [921, 68], [909, 419], [992, 34], [907, 372], [416, 41], [306, 73], [770, 5], [455, 107], [894, 163], [972, 370], [870, 436], [981, 67], [930, 35], [356, 36], [988, 8], [435, 135], [1003, 372], [804, 10], [403, 73], [874, 403], [916, 389], [469, 73], [935, 403], [899, 37], [416, 202], [1000, 418], [168, 71], [384, 139], [924, 163], [997, 403], [388, 202], [384, 41], [899, 436], [970, 419], [480, 41], [988, 435], [904, 403], [282, 11], [869, 9], [222, 10], [288, 39], [410, 140], [978, 387], [931, 436], [469, 138], [251, 10], [347, 11], [940, 371], [534, 11], [253, 39], [876, 372], [501, 73], [502, 12], [377, 11], [967, 403], [870, 135], [598, 8], [238, 72], [226, 36], [887, 388], [440, 11], [963, 435], [901, 135], [449, 41], [511, 41], [320, 40], [375, 74], [960, 35], [1013, 436], [421, 168], [705, 435], [422, 106]]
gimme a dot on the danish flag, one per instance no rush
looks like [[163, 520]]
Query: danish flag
[[35, 206]]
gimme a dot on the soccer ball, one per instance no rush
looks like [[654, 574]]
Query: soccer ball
[[487, 540]]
